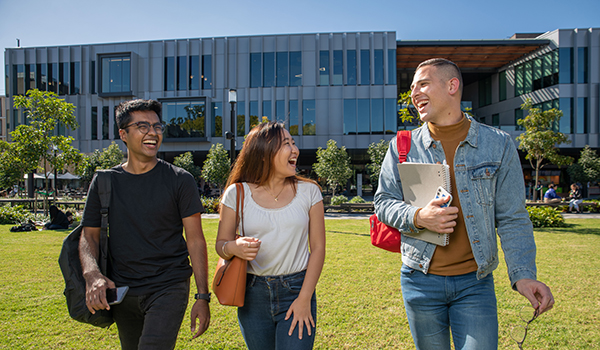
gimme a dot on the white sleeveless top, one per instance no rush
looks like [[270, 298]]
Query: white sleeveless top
[[282, 231]]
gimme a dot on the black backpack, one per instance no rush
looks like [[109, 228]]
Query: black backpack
[[70, 264]]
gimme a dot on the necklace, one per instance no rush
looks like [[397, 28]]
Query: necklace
[[276, 197]]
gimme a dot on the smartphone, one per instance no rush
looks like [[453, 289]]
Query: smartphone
[[442, 193], [116, 295]]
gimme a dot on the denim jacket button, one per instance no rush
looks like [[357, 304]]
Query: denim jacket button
[[421, 265]]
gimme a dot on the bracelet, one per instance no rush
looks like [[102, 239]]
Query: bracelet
[[223, 250]]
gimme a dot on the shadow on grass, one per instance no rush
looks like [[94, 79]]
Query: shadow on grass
[[571, 228], [350, 233]]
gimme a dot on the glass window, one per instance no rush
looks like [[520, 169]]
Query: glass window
[[217, 119], [16, 118], [378, 67], [268, 69], [555, 67], [351, 66], [518, 80], [485, 92], [194, 82], [582, 65], [502, 85], [181, 72], [537, 73], [93, 77], [377, 116], [255, 70], [30, 76], [309, 117], [496, 120], [115, 126], [338, 67], [53, 77], [295, 68], [279, 110], [207, 80], [365, 67], [283, 71], [115, 73], [548, 70], [105, 121], [293, 121], [518, 116], [566, 121], [527, 77], [94, 123], [253, 114], [392, 66], [6, 82], [324, 68], [169, 74], [582, 116], [241, 118], [350, 117], [42, 76], [75, 78], [184, 119], [565, 70], [63, 74], [391, 111], [266, 110], [18, 79], [363, 116]]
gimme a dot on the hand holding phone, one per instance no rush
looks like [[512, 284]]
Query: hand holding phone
[[442, 193], [116, 295]]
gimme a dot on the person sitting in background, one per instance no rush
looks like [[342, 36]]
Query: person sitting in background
[[575, 198], [58, 219], [550, 196]]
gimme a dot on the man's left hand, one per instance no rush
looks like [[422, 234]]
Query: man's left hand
[[538, 294], [200, 311]]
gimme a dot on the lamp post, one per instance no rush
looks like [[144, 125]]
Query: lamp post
[[230, 135]]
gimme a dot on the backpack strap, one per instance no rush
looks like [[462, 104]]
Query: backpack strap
[[403, 144], [104, 190]]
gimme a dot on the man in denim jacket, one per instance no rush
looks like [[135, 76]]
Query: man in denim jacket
[[451, 288]]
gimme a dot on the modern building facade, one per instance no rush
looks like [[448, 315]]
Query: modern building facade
[[340, 86]]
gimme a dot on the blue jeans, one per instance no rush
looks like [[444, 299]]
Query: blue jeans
[[262, 318], [436, 305], [152, 321]]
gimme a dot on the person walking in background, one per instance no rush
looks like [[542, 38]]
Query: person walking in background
[[451, 288], [152, 201], [575, 199], [283, 217]]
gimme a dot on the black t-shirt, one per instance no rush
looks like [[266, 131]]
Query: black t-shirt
[[147, 250]]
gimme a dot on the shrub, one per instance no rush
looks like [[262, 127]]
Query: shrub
[[337, 200], [357, 199], [546, 217], [211, 204], [13, 215]]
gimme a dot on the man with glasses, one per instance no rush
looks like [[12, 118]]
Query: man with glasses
[[151, 203], [451, 288]]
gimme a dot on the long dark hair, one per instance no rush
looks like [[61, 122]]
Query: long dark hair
[[254, 164]]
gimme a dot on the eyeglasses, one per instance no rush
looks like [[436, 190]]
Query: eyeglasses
[[519, 333], [144, 127]]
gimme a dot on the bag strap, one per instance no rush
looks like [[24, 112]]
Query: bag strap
[[104, 190], [240, 208], [403, 144]]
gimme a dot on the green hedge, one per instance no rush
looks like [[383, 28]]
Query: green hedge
[[546, 217], [13, 215]]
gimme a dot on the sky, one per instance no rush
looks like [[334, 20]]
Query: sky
[[71, 22]]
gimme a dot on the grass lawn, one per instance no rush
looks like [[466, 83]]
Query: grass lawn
[[359, 297]]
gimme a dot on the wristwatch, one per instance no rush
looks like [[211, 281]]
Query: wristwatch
[[202, 296]]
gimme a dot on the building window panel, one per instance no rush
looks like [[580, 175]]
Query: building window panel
[[30, 77], [53, 77], [377, 116], [207, 76], [565, 59], [309, 117], [351, 67], [184, 119], [266, 110], [391, 111], [324, 68], [295, 68], [518, 116], [378, 67], [283, 69], [566, 121], [365, 67], [392, 66], [18, 79], [582, 65], [280, 110], [255, 70], [115, 73], [268, 69], [182, 73], [241, 118], [217, 119], [253, 114], [105, 122], [350, 117], [363, 116], [169, 74], [194, 81], [537, 74], [548, 70], [94, 123], [294, 120], [502, 86], [496, 120], [582, 116], [63, 81], [338, 67], [42, 76], [93, 77], [527, 77], [75, 78]]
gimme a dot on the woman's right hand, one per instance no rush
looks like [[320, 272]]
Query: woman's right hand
[[245, 247]]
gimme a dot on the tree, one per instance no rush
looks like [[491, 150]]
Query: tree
[[216, 166], [333, 164], [376, 153], [107, 158], [540, 138], [38, 141], [587, 167], [186, 161]]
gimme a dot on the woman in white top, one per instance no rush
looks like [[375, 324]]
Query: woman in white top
[[283, 218]]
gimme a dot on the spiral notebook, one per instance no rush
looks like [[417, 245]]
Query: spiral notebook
[[419, 185]]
